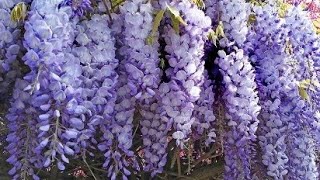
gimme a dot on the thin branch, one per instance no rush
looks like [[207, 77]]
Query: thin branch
[[174, 159], [178, 163], [189, 156], [113, 8], [108, 10], [135, 131], [111, 3], [208, 172], [98, 169], [209, 155], [54, 173], [85, 161], [177, 175]]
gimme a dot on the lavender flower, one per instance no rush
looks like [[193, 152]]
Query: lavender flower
[[306, 53], [144, 78], [186, 69], [284, 112], [242, 108], [100, 87], [305, 44], [302, 156], [234, 15], [119, 135], [142, 59], [273, 75], [204, 112], [212, 10], [79, 7], [22, 136], [54, 77], [11, 49], [117, 127]]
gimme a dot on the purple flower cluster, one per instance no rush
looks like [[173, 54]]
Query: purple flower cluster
[[284, 113], [273, 75], [11, 49], [306, 53], [212, 10], [79, 7], [304, 41], [120, 130], [141, 59], [186, 69], [22, 137], [106, 94], [97, 91], [241, 101], [204, 112], [234, 15], [54, 74], [240, 95], [155, 128], [150, 72], [302, 156], [144, 75]]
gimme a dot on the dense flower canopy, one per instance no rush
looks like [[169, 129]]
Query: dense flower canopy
[[139, 89]]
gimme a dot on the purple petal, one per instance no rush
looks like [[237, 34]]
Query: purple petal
[[61, 166], [77, 123], [44, 128]]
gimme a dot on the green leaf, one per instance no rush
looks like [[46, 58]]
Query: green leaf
[[305, 83], [19, 12], [219, 30], [175, 23], [175, 18], [179, 18], [155, 27], [316, 24], [309, 84], [282, 8], [149, 40], [252, 19], [162, 63], [304, 94], [213, 37], [157, 21], [199, 3], [173, 11]]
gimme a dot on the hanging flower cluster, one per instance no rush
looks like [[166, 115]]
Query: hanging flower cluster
[[136, 88]]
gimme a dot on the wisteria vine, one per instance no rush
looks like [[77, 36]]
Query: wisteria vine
[[136, 89]]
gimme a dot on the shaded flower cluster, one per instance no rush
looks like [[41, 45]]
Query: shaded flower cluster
[[204, 112], [22, 120], [11, 49]]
